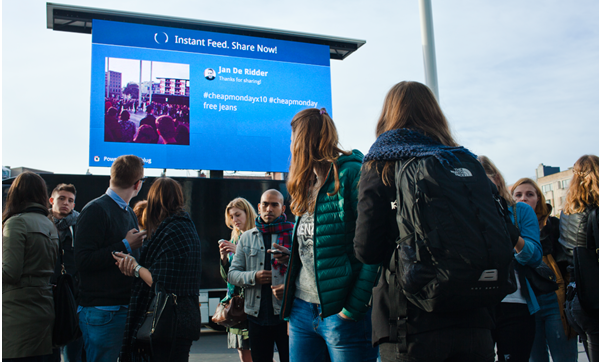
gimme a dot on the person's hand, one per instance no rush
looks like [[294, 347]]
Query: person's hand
[[125, 262], [343, 316], [280, 253], [225, 247], [135, 238], [264, 277], [277, 291]]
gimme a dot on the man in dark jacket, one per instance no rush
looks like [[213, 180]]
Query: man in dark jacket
[[107, 224], [64, 216]]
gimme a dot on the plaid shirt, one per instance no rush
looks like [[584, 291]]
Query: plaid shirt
[[172, 255]]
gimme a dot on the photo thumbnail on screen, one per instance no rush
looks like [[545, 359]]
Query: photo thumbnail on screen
[[146, 102]]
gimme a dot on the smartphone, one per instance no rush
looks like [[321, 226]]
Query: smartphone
[[277, 251]]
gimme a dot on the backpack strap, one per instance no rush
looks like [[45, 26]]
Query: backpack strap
[[515, 208], [593, 232], [398, 308]]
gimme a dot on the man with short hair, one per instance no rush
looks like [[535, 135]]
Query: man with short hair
[[107, 224], [64, 216], [263, 278]]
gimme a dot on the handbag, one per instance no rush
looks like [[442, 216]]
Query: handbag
[[66, 322], [542, 279], [586, 268], [230, 313], [160, 323]]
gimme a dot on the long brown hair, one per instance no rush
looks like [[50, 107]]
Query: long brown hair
[[584, 187], [250, 216], [541, 209], [314, 147], [28, 187], [493, 173], [413, 106], [165, 199]]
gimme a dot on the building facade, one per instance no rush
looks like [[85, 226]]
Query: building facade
[[113, 84], [554, 186]]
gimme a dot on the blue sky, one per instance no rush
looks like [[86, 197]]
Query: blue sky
[[517, 80]]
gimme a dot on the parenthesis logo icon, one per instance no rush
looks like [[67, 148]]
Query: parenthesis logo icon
[[97, 158], [165, 37]]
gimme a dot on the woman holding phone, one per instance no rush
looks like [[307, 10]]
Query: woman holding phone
[[170, 256], [240, 216]]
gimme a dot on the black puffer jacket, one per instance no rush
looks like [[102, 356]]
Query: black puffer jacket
[[573, 233]]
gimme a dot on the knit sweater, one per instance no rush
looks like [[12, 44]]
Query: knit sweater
[[101, 228]]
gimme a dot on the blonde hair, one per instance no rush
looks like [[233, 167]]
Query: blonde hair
[[315, 147], [493, 172], [250, 216], [584, 187], [541, 208]]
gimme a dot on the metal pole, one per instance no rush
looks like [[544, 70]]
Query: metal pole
[[428, 46], [139, 88]]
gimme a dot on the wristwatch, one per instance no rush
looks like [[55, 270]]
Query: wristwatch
[[136, 270]]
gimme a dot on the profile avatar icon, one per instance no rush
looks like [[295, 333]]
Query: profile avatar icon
[[210, 74]]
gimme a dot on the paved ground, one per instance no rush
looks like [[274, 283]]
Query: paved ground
[[212, 347]]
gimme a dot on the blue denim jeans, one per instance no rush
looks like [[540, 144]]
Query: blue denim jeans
[[549, 332], [102, 333], [310, 337]]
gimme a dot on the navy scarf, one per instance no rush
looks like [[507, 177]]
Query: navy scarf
[[404, 143]]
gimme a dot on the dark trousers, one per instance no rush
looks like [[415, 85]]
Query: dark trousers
[[514, 332], [178, 352], [586, 326], [44, 358], [263, 338], [449, 344]]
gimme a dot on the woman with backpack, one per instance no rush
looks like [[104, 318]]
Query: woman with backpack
[[582, 201], [552, 330], [327, 290], [29, 252], [515, 324], [413, 129]]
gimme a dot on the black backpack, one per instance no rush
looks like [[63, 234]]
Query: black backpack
[[454, 251]]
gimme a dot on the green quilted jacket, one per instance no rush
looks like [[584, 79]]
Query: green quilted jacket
[[343, 283]]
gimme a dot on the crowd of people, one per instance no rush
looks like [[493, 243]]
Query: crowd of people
[[164, 123], [335, 285]]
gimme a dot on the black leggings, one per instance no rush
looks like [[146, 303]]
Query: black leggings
[[179, 352], [514, 333], [586, 326], [263, 338]]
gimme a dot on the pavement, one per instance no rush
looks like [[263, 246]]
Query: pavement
[[212, 347]]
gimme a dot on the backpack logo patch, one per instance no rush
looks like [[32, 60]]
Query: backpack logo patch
[[461, 172]]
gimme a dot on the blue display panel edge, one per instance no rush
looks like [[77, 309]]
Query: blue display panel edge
[[238, 120]]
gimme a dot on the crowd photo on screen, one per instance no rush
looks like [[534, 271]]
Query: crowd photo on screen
[[155, 112]]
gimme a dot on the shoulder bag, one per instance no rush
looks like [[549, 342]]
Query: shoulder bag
[[230, 313], [586, 268], [160, 323], [66, 322]]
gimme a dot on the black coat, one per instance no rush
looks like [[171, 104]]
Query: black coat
[[374, 242]]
